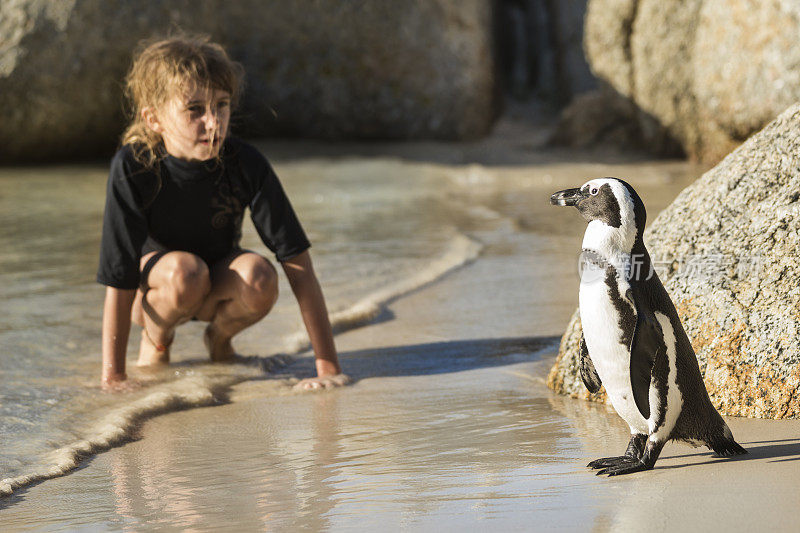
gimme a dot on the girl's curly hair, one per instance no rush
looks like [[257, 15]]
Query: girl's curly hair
[[163, 68]]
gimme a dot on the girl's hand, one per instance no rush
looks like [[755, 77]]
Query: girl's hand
[[323, 382]]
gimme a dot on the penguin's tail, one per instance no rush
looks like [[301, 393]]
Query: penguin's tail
[[724, 445]]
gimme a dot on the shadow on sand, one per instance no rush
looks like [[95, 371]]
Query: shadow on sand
[[442, 357], [778, 451], [408, 360]]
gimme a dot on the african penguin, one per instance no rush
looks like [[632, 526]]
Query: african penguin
[[633, 341]]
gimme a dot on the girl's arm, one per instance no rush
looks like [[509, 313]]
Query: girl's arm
[[116, 328], [308, 293]]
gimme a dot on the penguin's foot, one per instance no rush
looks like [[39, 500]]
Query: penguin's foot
[[627, 465], [610, 461], [630, 462], [634, 452]]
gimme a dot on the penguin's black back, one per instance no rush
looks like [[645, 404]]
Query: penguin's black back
[[698, 420]]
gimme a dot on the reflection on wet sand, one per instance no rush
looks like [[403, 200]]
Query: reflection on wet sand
[[689, 485], [157, 483], [457, 446]]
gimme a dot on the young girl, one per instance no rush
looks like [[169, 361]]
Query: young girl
[[176, 197]]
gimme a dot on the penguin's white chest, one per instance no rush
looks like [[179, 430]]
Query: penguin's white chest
[[600, 319]]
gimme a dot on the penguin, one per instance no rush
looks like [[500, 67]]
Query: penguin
[[633, 341]]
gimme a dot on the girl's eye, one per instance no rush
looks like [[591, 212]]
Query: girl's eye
[[223, 104], [593, 191]]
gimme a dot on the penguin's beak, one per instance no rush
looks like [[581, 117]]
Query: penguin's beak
[[566, 197]]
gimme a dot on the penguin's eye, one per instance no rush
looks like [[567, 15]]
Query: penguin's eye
[[593, 191]]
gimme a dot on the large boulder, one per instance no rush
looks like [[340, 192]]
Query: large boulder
[[727, 253], [320, 68], [604, 120], [708, 73]]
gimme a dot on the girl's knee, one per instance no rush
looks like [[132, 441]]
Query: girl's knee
[[188, 281], [259, 285]]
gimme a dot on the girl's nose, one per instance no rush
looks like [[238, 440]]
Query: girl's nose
[[212, 119]]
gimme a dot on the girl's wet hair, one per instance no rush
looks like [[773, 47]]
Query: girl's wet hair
[[167, 67]]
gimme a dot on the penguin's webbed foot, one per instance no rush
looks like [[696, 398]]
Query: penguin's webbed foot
[[628, 465], [630, 462], [634, 452], [610, 461]]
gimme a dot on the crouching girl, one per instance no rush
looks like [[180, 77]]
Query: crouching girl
[[177, 192]]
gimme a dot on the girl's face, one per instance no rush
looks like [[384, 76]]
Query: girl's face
[[193, 124]]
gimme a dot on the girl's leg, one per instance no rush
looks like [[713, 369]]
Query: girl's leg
[[243, 290], [176, 287]]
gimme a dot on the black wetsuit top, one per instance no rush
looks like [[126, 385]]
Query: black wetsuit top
[[196, 207]]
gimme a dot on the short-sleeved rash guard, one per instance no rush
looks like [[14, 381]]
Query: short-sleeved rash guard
[[195, 207]]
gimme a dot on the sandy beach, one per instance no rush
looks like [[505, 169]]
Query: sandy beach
[[448, 424], [418, 145]]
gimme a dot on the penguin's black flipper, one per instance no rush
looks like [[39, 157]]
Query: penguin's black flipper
[[588, 373], [645, 345]]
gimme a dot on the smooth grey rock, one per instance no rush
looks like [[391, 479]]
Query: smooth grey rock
[[708, 73], [320, 68], [607, 34], [747, 62], [727, 249], [603, 119]]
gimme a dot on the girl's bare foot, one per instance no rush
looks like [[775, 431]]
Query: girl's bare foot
[[219, 348], [151, 353], [120, 385]]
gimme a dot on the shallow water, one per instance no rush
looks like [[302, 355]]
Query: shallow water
[[443, 421], [51, 219]]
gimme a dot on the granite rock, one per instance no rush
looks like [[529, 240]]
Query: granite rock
[[602, 119], [319, 68], [708, 73], [726, 250]]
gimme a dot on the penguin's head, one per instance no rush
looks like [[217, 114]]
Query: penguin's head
[[611, 206]]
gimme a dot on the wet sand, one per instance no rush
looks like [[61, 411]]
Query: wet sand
[[448, 424], [276, 460]]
